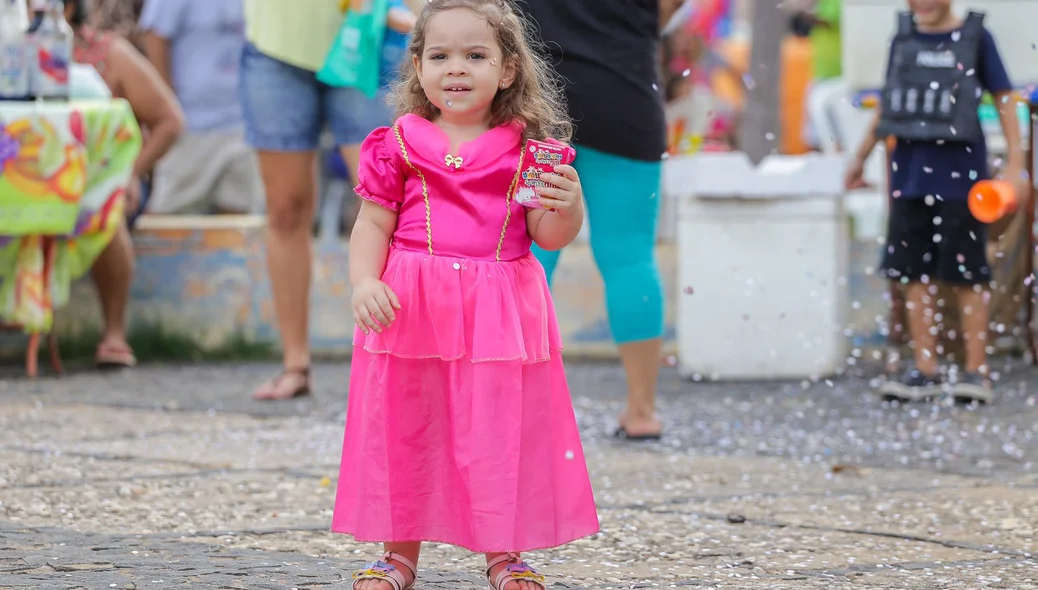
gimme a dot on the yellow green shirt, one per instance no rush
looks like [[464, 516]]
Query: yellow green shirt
[[825, 41], [297, 32]]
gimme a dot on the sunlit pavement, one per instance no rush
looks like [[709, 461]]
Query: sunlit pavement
[[172, 476]]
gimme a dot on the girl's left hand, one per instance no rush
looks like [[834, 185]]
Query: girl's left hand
[[565, 195]]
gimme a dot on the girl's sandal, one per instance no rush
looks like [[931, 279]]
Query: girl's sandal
[[384, 571], [516, 571]]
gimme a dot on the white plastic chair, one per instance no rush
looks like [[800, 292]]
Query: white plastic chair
[[819, 112], [867, 206]]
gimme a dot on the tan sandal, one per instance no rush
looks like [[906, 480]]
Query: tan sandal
[[384, 571], [113, 356], [516, 571]]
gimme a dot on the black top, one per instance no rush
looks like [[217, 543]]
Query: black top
[[608, 53]]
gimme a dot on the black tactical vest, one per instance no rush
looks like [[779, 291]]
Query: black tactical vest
[[932, 92]]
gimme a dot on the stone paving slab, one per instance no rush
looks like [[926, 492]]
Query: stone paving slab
[[823, 422], [28, 469], [207, 502], [681, 477], [220, 445], [993, 516], [139, 562], [716, 553], [28, 425], [172, 476], [32, 558]]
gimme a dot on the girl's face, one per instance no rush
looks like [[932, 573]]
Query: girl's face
[[930, 12], [461, 68]]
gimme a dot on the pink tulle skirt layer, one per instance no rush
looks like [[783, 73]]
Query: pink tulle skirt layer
[[460, 427]]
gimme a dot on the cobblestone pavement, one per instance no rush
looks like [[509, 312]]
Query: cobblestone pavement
[[172, 476]]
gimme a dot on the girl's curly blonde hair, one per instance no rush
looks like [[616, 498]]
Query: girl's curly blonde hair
[[535, 98]]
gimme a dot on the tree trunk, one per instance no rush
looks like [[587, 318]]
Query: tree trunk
[[760, 127]]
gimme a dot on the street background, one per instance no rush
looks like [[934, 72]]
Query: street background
[[170, 476]]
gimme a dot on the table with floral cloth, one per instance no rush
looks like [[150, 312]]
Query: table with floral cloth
[[64, 167]]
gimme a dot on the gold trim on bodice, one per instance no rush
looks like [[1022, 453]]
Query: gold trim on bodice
[[425, 186], [508, 204], [457, 162]]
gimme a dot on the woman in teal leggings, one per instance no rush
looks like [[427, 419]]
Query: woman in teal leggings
[[607, 52], [622, 205]]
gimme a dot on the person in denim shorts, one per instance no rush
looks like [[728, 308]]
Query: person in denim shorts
[[286, 109]]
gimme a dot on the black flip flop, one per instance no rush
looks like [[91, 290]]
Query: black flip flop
[[622, 434], [303, 390]]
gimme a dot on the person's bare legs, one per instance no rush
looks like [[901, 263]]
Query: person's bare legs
[[112, 273], [920, 306], [289, 179], [641, 362], [409, 550], [973, 311], [511, 585]]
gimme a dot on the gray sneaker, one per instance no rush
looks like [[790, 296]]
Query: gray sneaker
[[973, 387], [912, 386]]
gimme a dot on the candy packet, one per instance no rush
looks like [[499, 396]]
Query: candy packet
[[539, 157]]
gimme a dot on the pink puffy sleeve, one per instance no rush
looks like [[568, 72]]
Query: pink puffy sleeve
[[380, 177]]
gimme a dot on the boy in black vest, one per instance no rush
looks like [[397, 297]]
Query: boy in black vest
[[939, 66]]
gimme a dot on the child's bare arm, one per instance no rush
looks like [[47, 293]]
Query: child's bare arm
[[373, 302], [854, 176], [555, 230], [369, 243], [869, 141], [1007, 115], [552, 232]]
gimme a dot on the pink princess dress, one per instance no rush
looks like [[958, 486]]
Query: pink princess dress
[[460, 428]]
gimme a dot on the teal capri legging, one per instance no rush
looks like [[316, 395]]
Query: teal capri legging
[[623, 202]]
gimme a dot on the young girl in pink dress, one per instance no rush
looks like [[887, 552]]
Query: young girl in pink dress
[[460, 428]]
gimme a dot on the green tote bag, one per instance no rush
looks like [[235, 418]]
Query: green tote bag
[[355, 58]]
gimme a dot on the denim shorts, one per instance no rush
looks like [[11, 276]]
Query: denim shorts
[[286, 108]]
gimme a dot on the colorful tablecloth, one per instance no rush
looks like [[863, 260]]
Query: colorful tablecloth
[[63, 172]]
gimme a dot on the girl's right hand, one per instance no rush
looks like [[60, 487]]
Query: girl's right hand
[[373, 305]]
